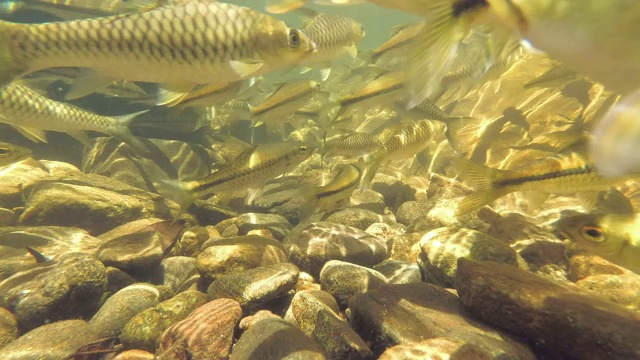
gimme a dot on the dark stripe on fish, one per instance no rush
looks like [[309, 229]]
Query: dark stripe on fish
[[542, 177], [366, 96], [339, 190], [461, 7], [299, 96]]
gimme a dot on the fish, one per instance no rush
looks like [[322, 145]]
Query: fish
[[596, 37], [413, 138], [179, 46], [350, 143], [402, 37], [284, 101], [325, 198], [564, 173], [616, 138], [334, 36], [79, 9], [11, 153], [214, 94], [250, 169], [380, 91], [614, 237], [32, 114]]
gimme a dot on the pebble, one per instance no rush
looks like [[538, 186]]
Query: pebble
[[355, 217], [277, 225], [70, 287], [410, 211], [281, 196], [442, 247], [22, 175], [338, 339], [407, 314], [122, 306], [385, 231], [192, 241], [238, 253], [7, 217], [311, 246], [276, 339], [117, 280], [207, 333], [169, 228], [134, 355], [91, 202], [305, 306], [344, 280], [583, 266], [144, 329], [8, 327], [405, 247], [436, 348], [54, 341], [175, 271], [135, 253], [621, 289], [399, 272], [394, 191], [368, 200], [546, 258], [256, 287], [569, 323], [208, 213], [251, 320]]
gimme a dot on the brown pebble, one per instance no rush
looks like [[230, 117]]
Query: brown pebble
[[134, 355]]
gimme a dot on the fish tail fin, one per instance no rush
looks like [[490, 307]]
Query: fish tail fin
[[10, 69], [433, 49], [371, 165], [482, 180], [124, 133], [176, 191]]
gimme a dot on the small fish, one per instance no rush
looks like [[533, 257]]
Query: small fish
[[597, 37], [614, 237], [282, 104], [32, 114], [616, 138], [556, 174], [381, 91], [10, 153], [325, 198], [181, 46], [412, 139], [214, 94], [334, 36], [428, 110], [350, 144], [558, 76], [249, 170], [402, 37]]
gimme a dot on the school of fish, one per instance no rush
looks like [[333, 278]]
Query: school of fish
[[535, 97]]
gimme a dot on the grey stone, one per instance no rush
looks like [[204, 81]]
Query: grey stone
[[276, 224], [356, 218], [175, 271], [368, 200], [54, 341], [399, 272], [229, 255], [311, 246], [121, 307], [385, 231], [256, 287], [344, 280], [135, 253], [143, 331], [410, 211], [70, 287], [394, 191], [442, 247], [276, 339]]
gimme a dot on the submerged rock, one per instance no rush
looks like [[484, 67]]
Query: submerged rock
[[311, 246], [54, 341], [144, 330], [442, 247], [394, 191], [8, 327], [122, 306], [230, 255], [91, 202], [207, 333], [399, 272], [276, 339], [135, 253], [368, 200], [256, 287], [560, 319], [410, 313], [436, 348], [344, 280], [70, 287], [276, 224], [175, 271], [356, 218]]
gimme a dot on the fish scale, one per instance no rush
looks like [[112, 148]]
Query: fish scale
[[193, 42]]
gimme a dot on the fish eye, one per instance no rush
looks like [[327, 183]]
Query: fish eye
[[303, 149], [4, 152], [593, 233], [294, 38]]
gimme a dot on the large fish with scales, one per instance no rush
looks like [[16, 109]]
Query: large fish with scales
[[193, 42]]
